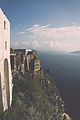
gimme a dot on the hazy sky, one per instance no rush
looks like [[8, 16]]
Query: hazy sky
[[44, 24]]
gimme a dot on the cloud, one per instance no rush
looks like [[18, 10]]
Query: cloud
[[62, 38], [21, 33], [35, 44], [46, 31], [49, 38], [16, 44], [26, 44]]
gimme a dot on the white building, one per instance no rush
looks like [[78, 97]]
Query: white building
[[27, 50], [5, 69]]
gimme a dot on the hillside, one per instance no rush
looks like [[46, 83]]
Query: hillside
[[34, 100]]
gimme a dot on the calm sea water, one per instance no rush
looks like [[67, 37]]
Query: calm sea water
[[65, 70]]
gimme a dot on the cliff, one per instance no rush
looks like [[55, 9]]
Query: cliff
[[34, 100], [35, 95]]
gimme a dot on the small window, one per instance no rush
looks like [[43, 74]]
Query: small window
[[4, 24], [5, 45]]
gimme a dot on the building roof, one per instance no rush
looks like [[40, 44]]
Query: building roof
[[4, 14]]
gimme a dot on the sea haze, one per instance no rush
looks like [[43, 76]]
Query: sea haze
[[65, 70]]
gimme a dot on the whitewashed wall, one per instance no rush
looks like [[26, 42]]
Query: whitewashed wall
[[5, 53]]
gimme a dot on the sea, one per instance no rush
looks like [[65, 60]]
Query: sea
[[65, 71]]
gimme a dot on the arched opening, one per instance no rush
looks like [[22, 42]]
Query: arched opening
[[6, 76], [1, 103]]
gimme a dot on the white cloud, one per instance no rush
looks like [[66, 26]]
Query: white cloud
[[21, 33], [16, 44], [51, 43], [63, 38], [35, 44], [46, 31], [50, 38], [25, 43]]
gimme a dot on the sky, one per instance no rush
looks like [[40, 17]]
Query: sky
[[46, 25]]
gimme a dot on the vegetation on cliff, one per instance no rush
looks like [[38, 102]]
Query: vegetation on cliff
[[34, 100]]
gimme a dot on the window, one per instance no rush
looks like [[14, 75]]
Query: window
[[5, 45], [4, 25]]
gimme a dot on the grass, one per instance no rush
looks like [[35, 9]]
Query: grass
[[33, 100]]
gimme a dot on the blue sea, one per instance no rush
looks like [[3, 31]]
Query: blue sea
[[65, 70]]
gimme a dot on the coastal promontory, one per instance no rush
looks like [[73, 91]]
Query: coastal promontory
[[35, 95]]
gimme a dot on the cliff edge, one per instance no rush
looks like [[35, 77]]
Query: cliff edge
[[35, 100], [35, 95]]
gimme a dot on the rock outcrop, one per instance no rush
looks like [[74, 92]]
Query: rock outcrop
[[23, 60], [34, 97]]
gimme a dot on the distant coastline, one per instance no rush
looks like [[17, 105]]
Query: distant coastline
[[76, 52]]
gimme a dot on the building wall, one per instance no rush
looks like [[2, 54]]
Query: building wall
[[6, 79]]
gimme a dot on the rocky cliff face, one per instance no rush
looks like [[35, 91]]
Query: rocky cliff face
[[22, 61], [35, 97], [35, 100]]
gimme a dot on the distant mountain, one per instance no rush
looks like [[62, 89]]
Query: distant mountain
[[77, 52]]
